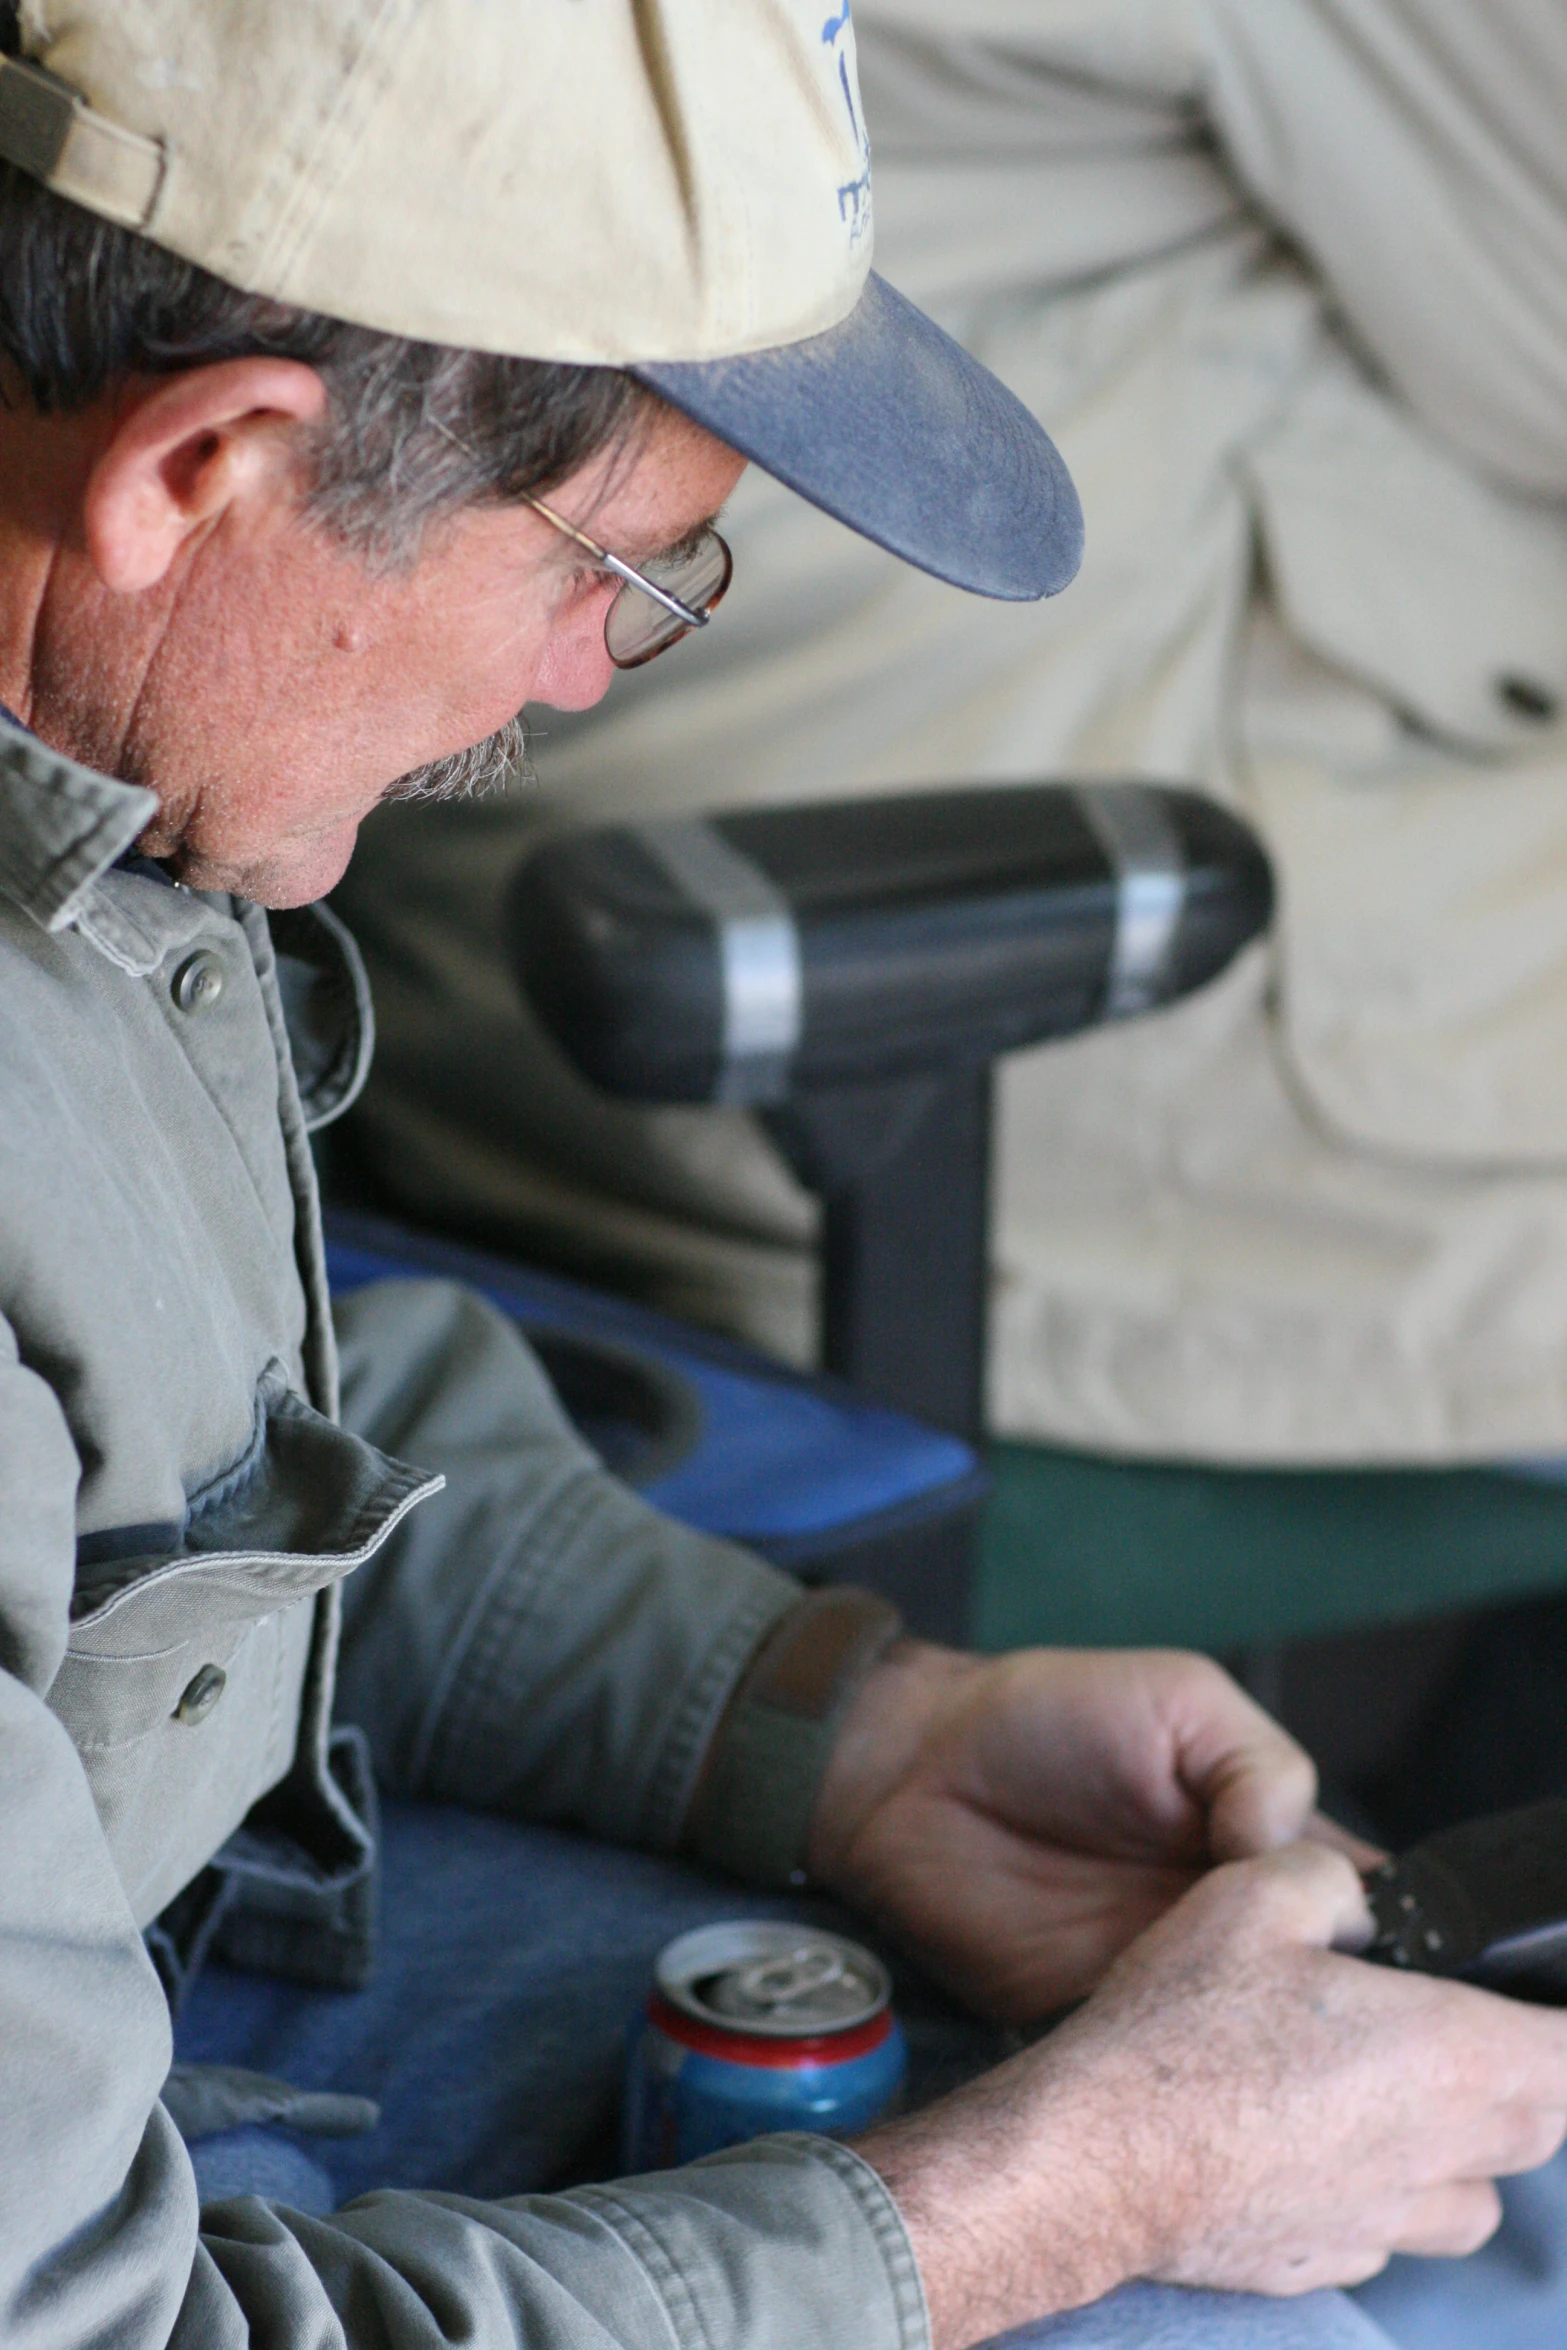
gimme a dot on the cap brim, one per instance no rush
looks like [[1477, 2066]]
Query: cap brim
[[887, 423]]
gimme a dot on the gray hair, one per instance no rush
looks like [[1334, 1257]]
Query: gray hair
[[473, 774], [412, 430]]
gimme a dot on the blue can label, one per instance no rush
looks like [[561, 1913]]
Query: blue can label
[[696, 2083]]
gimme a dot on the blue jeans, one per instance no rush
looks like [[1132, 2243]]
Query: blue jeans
[[510, 1961]]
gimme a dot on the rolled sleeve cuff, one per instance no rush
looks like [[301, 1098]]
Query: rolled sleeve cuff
[[784, 2242], [751, 1805]]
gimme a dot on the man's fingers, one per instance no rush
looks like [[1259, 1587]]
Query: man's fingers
[[1265, 1797], [1528, 2136], [1521, 2054], [1258, 1788], [1321, 1830], [1449, 2221], [1306, 1893]]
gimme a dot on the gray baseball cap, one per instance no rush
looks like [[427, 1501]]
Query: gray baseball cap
[[680, 188]]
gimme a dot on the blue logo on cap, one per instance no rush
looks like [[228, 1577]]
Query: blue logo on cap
[[854, 197]]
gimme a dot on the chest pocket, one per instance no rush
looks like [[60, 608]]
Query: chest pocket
[[181, 1684]]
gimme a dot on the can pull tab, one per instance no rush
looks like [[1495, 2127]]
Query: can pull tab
[[778, 1982]]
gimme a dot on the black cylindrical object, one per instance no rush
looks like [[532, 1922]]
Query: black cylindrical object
[[853, 969], [756, 955]]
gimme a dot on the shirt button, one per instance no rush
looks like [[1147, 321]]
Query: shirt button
[[201, 1695], [198, 982]]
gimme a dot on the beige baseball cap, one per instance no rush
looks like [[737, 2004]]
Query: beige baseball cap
[[677, 187]]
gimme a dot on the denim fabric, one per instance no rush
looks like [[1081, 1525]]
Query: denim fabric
[[510, 1961], [1512, 2295], [1165, 2317], [266, 2162]]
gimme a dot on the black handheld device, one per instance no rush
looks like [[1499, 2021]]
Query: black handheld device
[[1485, 1901]]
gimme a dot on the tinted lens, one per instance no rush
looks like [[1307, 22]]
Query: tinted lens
[[637, 627]]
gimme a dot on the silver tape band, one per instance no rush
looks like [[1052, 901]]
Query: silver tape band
[[758, 953], [1133, 826]]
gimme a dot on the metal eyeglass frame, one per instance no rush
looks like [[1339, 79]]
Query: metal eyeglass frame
[[629, 576], [626, 573]]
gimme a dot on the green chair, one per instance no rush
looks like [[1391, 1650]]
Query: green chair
[[1087, 1551]]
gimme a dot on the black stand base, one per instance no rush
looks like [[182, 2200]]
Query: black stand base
[[903, 1173], [926, 1571]]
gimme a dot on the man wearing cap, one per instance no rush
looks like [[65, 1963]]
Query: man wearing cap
[[369, 373]]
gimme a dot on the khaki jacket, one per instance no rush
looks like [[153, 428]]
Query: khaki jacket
[[1288, 282], [180, 1509]]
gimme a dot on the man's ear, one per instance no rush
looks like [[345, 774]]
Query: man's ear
[[186, 447]]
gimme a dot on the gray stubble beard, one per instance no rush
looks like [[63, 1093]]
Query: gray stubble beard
[[475, 773]]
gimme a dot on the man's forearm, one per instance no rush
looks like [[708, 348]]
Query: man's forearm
[[545, 1643], [1010, 2213]]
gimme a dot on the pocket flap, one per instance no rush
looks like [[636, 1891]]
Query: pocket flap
[[1399, 564], [313, 1503]]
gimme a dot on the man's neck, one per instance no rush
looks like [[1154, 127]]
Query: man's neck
[[44, 465]]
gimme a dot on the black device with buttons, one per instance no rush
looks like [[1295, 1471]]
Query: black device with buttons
[[1485, 1901]]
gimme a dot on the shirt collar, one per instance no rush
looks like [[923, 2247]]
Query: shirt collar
[[61, 827]]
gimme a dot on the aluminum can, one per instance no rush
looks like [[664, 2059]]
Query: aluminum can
[[754, 2027]]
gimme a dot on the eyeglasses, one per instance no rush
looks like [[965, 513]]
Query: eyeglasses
[[658, 606]]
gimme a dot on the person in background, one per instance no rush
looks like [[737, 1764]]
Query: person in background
[[1289, 286]]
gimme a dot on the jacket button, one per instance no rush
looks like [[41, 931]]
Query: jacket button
[[202, 1694], [198, 982]]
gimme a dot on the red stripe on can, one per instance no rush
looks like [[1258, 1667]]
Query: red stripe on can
[[755, 2048]]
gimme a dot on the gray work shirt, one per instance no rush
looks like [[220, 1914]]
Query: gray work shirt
[[180, 1505]]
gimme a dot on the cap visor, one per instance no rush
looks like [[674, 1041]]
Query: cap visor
[[887, 423]]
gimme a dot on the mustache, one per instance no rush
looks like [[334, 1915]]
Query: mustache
[[482, 769]]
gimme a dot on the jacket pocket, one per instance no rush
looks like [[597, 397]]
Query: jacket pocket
[[1399, 564], [181, 1683]]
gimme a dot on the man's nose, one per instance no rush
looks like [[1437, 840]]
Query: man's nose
[[576, 669]]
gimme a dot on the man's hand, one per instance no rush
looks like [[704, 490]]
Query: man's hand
[[1237, 2106], [1017, 1821]]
